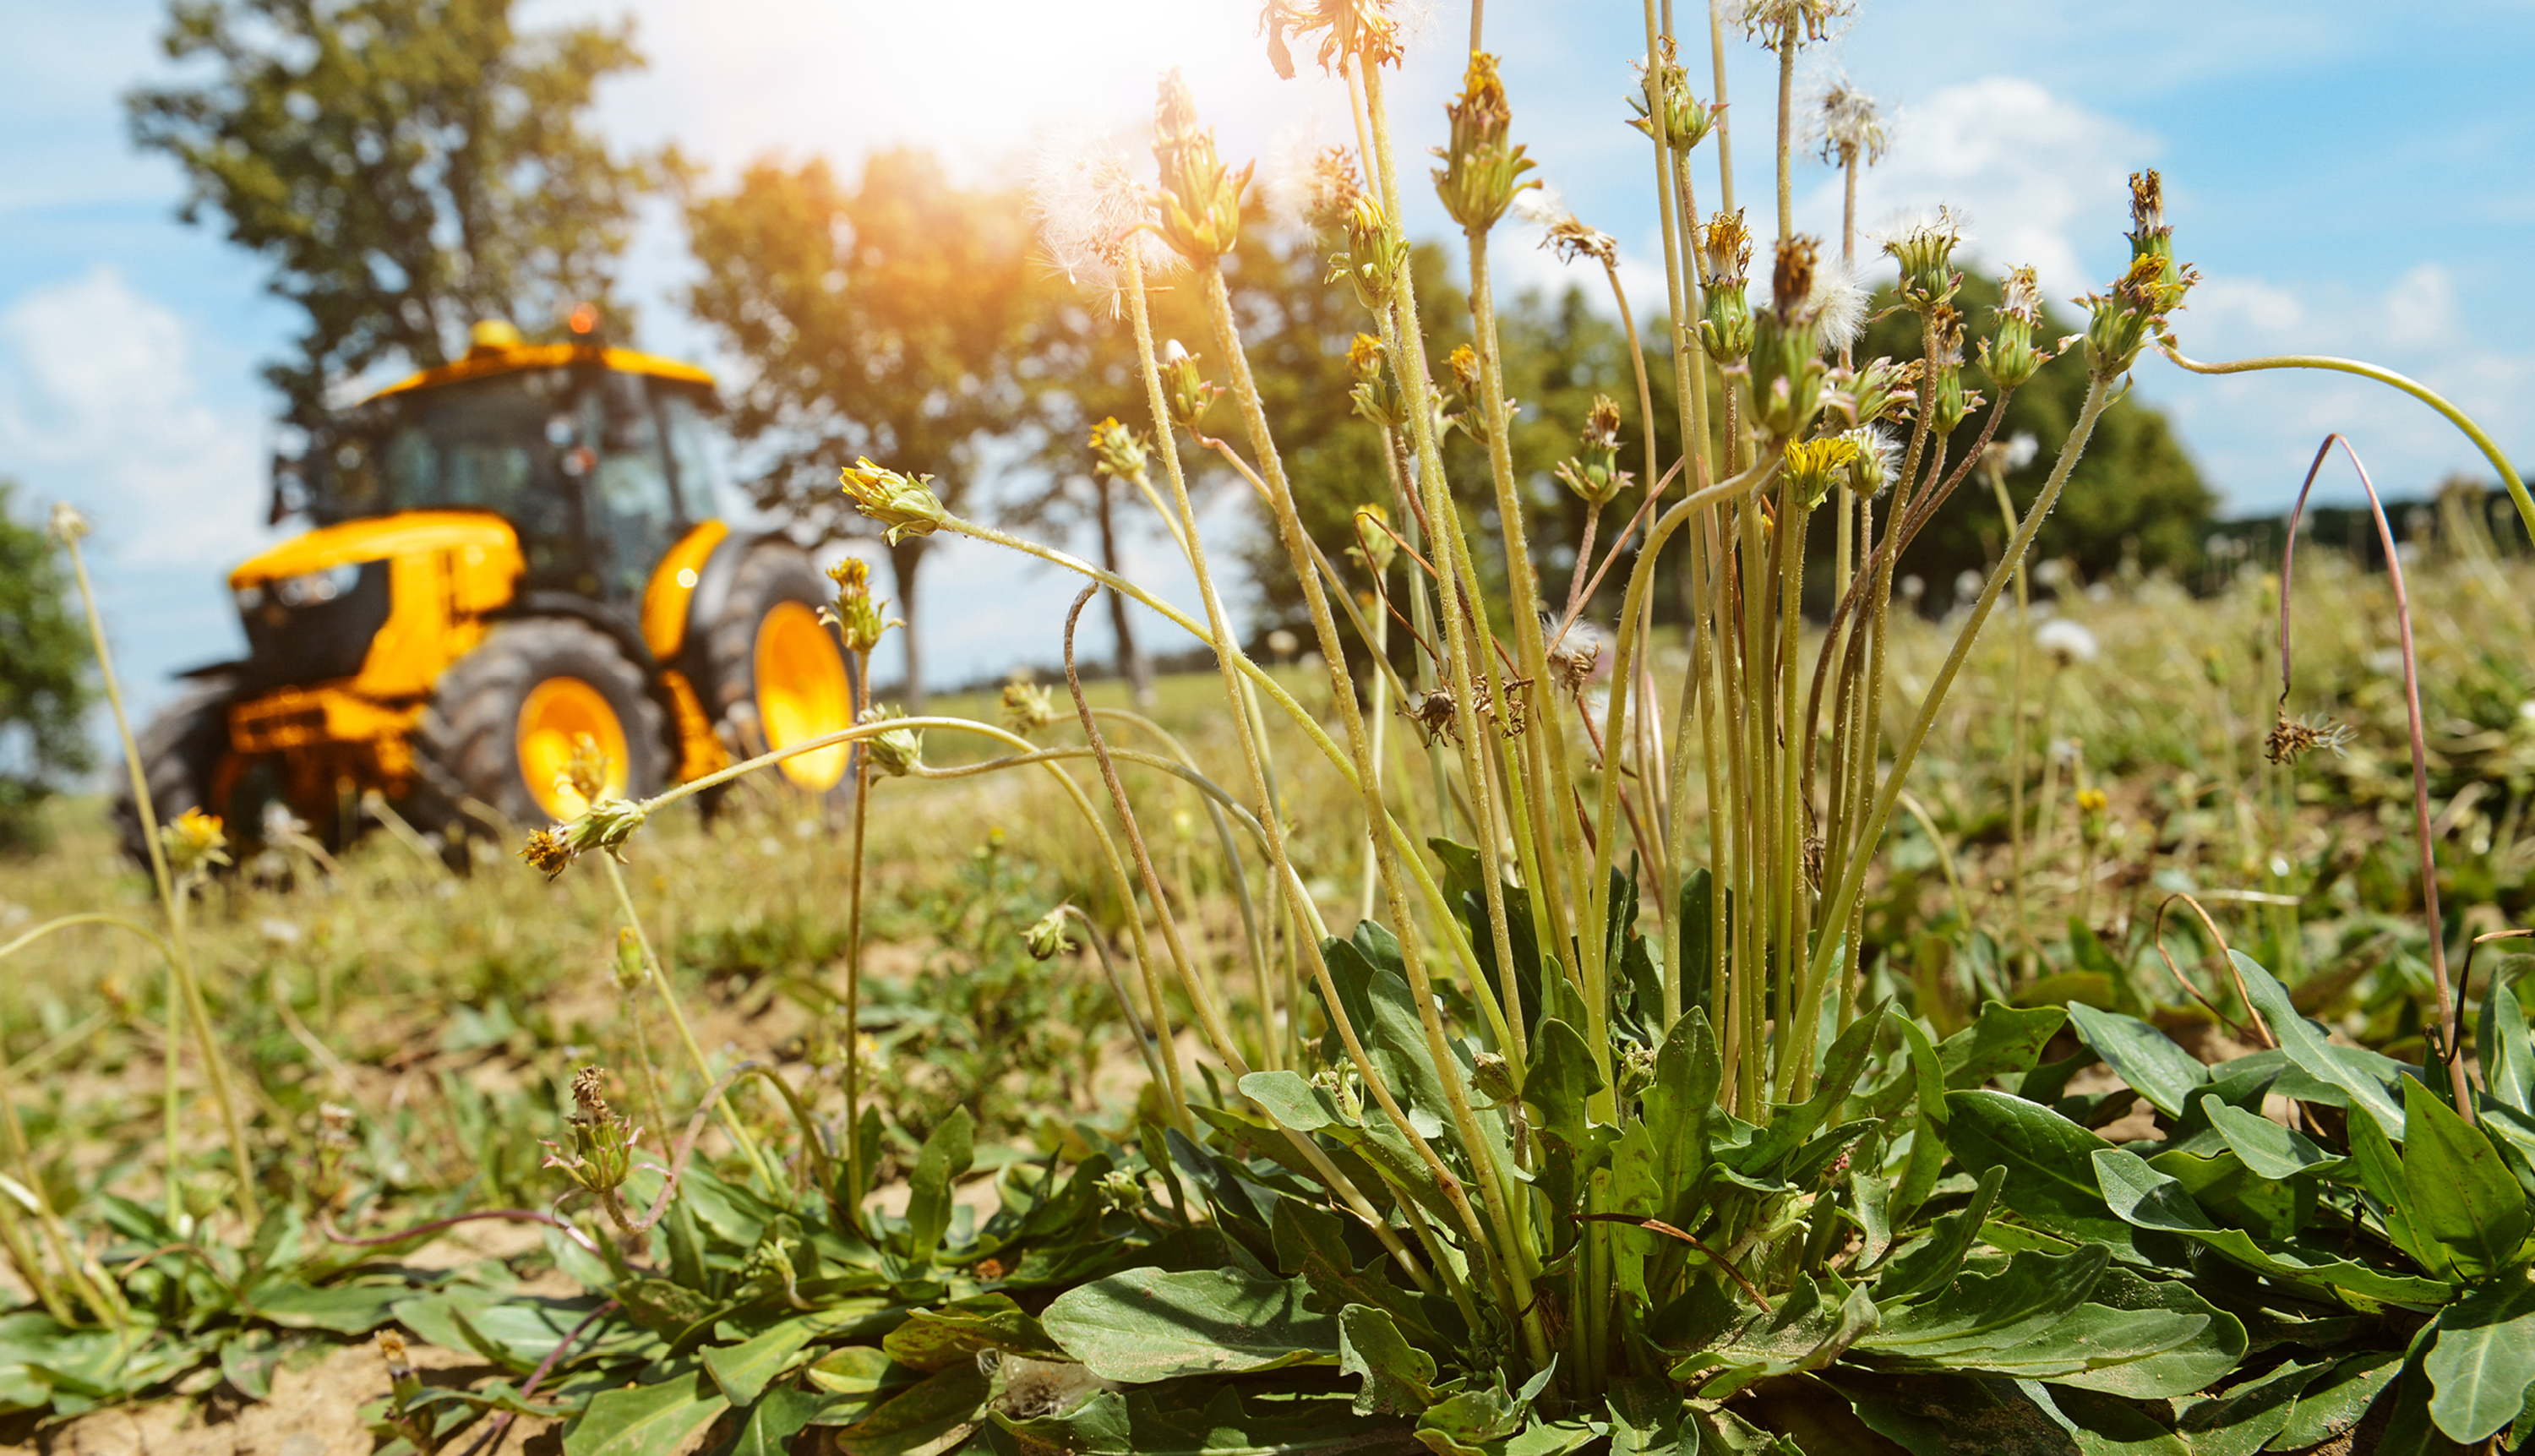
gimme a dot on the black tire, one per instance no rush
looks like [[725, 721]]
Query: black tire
[[181, 752], [772, 573], [467, 747]]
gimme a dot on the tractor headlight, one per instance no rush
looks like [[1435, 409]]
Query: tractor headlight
[[314, 587]]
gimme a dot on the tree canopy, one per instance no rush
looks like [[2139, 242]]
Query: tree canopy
[[406, 167], [45, 687]]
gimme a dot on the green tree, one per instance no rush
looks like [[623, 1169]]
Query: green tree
[[902, 318], [45, 689], [406, 167]]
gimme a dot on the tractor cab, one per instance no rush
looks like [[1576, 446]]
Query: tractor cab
[[511, 552]]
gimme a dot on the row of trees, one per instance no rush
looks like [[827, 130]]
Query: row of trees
[[408, 167]]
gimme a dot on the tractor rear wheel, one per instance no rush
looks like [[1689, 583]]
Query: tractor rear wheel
[[502, 721], [182, 753], [777, 674]]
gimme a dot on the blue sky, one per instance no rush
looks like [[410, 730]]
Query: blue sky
[[2350, 178]]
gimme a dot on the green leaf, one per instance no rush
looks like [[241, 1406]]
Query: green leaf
[[2463, 1197], [1398, 1375], [2003, 1041], [945, 1154], [2268, 1149], [1649, 1418], [2142, 1056], [2140, 1193], [2484, 1362], [2228, 1191], [858, 1369], [1311, 1243], [1981, 1314], [2245, 1419], [2380, 1167], [343, 1308], [1379, 1001], [1145, 1325], [1805, 1331], [2180, 1369], [1133, 1423], [1561, 1080], [1931, 1263], [774, 1421], [2501, 1036], [1949, 1414], [934, 1415], [2368, 1078], [1927, 1140], [2102, 1425], [744, 1370], [647, 1420], [2050, 1175], [247, 1361], [933, 1338], [2334, 1401]]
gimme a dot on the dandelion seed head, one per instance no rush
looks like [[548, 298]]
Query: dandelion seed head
[[1838, 304], [2067, 641], [1090, 210]]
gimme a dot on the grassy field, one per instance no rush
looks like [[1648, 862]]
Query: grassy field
[[446, 1014]]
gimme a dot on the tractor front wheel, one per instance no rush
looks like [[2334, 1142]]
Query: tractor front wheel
[[777, 674], [503, 720]]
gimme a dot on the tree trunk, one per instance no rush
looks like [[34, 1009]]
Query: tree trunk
[[1132, 664], [903, 558]]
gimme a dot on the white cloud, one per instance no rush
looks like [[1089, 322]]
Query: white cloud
[[2041, 179], [99, 406]]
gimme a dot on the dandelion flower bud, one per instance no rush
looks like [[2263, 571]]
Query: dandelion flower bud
[[1481, 172], [1669, 110], [1191, 394], [1492, 1077], [607, 824], [632, 969], [895, 753], [1375, 255], [196, 840], [1924, 250], [856, 612], [1786, 353], [1200, 197], [1117, 450], [2008, 356], [902, 503], [603, 1140], [1027, 707], [1594, 475], [1045, 938], [2122, 321], [1724, 258]]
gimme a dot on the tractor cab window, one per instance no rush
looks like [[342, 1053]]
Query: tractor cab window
[[685, 422], [631, 506], [481, 446]]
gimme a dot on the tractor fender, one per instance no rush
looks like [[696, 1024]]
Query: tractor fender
[[620, 629]]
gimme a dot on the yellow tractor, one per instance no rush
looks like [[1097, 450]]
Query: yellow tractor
[[510, 550]]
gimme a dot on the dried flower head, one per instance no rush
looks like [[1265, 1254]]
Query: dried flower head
[[1091, 213], [68, 526], [2008, 356], [1849, 125], [1724, 261], [1311, 187], [1575, 656], [2068, 641], [546, 851], [2122, 321], [602, 1150], [1878, 459], [2292, 738], [1563, 232], [1027, 706], [902, 503], [1776, 22], [1433, 713], [194, 842], [1359, 29]]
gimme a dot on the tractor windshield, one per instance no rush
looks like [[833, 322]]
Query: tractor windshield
[[598, 471]]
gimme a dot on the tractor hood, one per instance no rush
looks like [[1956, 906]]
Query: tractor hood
[[475, 535]]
